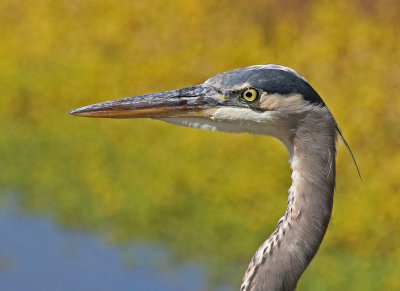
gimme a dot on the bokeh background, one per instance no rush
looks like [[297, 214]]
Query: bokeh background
[[123, 203]]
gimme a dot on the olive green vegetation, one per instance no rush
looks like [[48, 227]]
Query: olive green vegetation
[[209, 197]]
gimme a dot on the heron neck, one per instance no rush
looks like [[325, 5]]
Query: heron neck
[[284, 256]]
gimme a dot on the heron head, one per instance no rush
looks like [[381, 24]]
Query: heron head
[[262, 99]]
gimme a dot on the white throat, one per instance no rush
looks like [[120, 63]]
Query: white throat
[[236, 120]]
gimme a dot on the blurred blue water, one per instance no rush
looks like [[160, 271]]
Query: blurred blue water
[[36, 254]]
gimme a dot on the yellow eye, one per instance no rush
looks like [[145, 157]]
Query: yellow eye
[[250, 94]]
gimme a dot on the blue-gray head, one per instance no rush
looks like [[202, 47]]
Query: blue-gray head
[[263, 99]]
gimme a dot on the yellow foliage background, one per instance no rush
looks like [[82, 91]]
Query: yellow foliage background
[[210, 197]]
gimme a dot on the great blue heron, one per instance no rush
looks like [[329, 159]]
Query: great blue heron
[[264, 100]]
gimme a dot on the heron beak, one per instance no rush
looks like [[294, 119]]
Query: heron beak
[[187, 102]]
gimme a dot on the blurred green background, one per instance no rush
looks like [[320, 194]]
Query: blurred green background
[[210, 198]]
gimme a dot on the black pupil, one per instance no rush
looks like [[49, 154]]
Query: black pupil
[[249, 94]]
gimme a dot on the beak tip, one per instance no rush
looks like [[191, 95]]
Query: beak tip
[[77, 112], [74, 112]]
